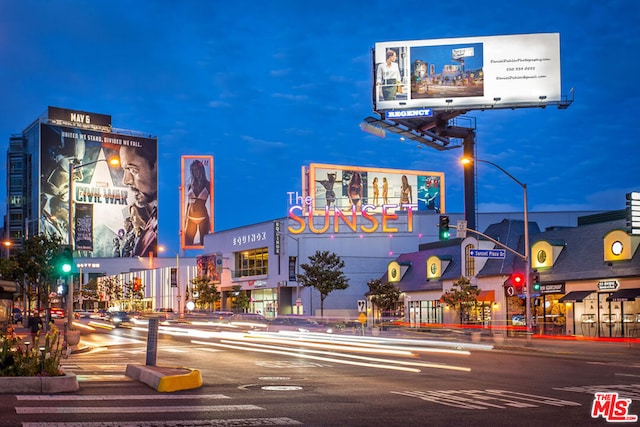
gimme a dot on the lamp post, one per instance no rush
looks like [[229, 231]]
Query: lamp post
[[525, 256], [71, 171], [26, 226]]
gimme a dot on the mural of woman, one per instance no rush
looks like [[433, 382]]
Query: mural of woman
[[197, 220]]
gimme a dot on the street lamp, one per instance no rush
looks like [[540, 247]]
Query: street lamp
[[525, 257], [71, 171], [7, 244]]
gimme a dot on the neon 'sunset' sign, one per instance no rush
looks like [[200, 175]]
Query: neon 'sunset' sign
[[362, 221]]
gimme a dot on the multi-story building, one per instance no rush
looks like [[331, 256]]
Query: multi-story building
[[67, 151]]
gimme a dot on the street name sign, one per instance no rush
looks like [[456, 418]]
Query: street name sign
[[488, 253]]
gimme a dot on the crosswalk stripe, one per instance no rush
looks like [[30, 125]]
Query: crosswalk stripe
[[131, 410], [239, 422]]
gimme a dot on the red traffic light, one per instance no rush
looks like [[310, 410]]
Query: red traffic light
[[517, 278]]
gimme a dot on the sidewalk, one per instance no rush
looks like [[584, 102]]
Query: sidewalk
[[601, 349], [604, 349]]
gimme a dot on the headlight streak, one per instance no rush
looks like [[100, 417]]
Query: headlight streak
[[307, 356], [370, 346], [373, 359], [330, 346], [303, 353], [409, 341]]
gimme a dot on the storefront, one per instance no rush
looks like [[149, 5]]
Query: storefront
[[608, 311]]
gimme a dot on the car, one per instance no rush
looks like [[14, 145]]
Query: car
[[222, 316], [57, 313], [297, 324], [248, 320], [17, 315], [167, 313], [118, 318]]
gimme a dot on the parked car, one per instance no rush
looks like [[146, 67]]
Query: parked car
[[17, 315], [167, 313], [297, 324], [248, 320]]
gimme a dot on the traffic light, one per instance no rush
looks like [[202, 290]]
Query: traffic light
[[535, 280], [65, 261], [443, 227], [137, 284], [517, 280], [62, 289]]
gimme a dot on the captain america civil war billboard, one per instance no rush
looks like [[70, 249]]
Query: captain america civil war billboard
[[114, 190]]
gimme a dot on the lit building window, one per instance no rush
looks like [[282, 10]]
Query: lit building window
[[252, 262], [469, 262]]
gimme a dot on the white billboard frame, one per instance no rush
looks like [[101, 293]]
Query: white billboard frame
[[509, 71]]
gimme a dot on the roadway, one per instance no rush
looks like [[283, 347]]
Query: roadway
[[337, 380]]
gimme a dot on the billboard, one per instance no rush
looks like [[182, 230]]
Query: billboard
[[345, 187], [210, 267], [196, 201], [115, 206], [467, 73]]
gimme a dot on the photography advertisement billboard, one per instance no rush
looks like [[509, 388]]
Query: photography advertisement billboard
[[115, 206], [467, 73], [196, 204], [344, 187]]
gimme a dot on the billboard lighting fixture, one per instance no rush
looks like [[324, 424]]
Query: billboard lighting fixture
[[542, 97], [497, 99], [448, 101]]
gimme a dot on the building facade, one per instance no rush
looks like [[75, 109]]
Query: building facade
[[62, 180]]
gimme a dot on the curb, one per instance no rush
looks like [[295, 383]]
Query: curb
[[165, 379], [57, 384]]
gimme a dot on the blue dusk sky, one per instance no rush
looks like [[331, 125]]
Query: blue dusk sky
[[267, 87]]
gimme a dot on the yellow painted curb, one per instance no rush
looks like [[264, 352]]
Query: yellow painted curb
[[170, 383]]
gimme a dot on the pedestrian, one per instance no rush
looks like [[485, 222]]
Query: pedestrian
[[35, 324]]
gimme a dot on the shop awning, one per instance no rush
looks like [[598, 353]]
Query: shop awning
[[489, 296], [575, 296], [624, 295]]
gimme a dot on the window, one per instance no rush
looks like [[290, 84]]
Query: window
[[469, 262], [253, 262]]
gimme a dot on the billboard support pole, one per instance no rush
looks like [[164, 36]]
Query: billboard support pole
[[469, 149]]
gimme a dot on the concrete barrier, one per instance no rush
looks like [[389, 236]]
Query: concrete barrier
[[165, 379]]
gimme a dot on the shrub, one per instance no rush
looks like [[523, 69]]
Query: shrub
[[20, 360]]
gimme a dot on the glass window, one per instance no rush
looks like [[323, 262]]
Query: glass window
[[251, 263], [469, 262]]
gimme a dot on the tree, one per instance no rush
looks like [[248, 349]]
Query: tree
[[134, 293], [111, 289], [35, 267], [462, 297], [384, 296], [240, 300], [324, 273], [204, 292]]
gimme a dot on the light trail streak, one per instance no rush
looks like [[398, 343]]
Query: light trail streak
[[381, 363], [367, 358], [308, 356], [371, 346]]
